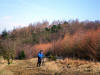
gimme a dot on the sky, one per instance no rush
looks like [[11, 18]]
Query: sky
[[20, 13]]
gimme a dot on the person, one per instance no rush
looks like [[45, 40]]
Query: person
[[40, 57]]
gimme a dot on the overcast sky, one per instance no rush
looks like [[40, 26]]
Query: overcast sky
[[19, 13]]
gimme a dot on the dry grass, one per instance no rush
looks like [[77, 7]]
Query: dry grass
[[59, 67]]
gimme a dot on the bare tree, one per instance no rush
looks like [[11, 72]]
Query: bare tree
[[8, 50]]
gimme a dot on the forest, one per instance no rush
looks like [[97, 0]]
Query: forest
[[72, 39]]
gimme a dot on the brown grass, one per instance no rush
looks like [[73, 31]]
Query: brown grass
[[58, 67]]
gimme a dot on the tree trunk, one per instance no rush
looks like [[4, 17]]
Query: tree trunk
[[8, 61]]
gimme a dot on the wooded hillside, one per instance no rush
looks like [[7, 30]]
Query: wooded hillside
[[60, 38]]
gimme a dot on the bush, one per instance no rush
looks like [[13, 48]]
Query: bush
[[50, 55], [22, 55]]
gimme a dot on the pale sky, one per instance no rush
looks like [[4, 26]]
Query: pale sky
[[19, 13]]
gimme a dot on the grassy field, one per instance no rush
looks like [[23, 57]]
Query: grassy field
[[58, 67]]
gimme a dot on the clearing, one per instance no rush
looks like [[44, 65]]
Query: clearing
[[58, 67]]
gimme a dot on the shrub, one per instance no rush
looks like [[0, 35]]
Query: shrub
[[49, 54], [22, 55]]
